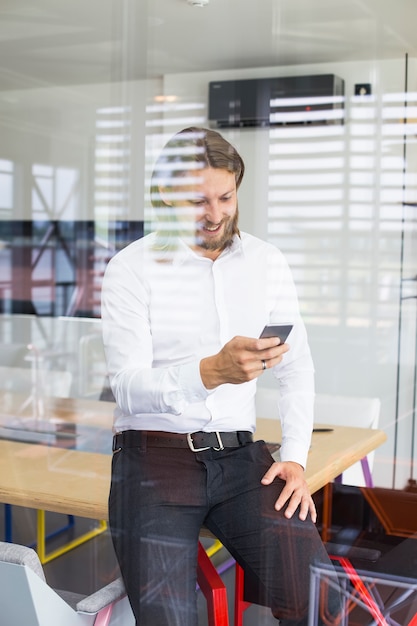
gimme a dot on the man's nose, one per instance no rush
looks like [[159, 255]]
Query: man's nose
[[214, 212]]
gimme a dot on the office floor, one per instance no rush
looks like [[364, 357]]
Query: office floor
[[93, 564]]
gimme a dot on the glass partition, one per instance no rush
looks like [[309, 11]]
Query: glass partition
[[89, 94]]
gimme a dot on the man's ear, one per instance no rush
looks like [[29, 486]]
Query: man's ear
[[164, 193]]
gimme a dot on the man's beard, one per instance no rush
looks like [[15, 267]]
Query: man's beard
[[226, 238]]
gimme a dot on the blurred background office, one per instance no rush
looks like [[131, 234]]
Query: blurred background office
[[90, 91]]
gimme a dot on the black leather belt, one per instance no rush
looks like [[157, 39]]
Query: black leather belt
[[196, 442]]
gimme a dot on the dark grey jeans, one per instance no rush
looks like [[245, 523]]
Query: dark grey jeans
[[159, 500]]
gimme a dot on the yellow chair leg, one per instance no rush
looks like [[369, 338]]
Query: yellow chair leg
[[214, 548], [41, 548]]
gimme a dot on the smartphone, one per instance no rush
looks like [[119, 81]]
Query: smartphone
[[277, 330]]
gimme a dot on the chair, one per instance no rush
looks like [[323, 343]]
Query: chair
[[213, 589], [49, 383], [26, 597], [361, 412], [24, 370]]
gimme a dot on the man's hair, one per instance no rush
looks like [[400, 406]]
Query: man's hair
[[192, 149]]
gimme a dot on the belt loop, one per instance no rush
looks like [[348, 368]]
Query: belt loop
[[243, 437], [143, 441], [116, 445]]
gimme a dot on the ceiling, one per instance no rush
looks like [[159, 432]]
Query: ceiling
[[52, 42]]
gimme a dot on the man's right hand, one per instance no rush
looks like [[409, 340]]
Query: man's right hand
[[240, 360]]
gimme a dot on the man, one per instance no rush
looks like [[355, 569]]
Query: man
[[182, 312]]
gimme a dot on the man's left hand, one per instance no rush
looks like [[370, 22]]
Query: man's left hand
[[295, 491]]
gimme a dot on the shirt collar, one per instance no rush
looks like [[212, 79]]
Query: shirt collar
[[184, 253]]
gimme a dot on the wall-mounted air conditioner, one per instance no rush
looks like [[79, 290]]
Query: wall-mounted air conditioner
[[317, 99]]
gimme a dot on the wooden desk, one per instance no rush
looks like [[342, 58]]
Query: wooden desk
[[54, 479], [77, 482]]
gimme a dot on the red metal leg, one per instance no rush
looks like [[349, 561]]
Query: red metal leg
[[214, 590], [240, 603]]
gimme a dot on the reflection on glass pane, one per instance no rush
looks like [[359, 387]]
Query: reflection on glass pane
[[66, 191], [6, 191], [42, 170], [6, 166]]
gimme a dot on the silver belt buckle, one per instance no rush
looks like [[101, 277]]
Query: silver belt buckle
[[193, 449]]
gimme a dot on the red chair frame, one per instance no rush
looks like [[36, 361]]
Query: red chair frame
[[213, 588]]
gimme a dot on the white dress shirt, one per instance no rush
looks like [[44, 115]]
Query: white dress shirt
[[163, 312]]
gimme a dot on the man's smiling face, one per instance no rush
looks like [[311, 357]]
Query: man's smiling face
[[206, 203]]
